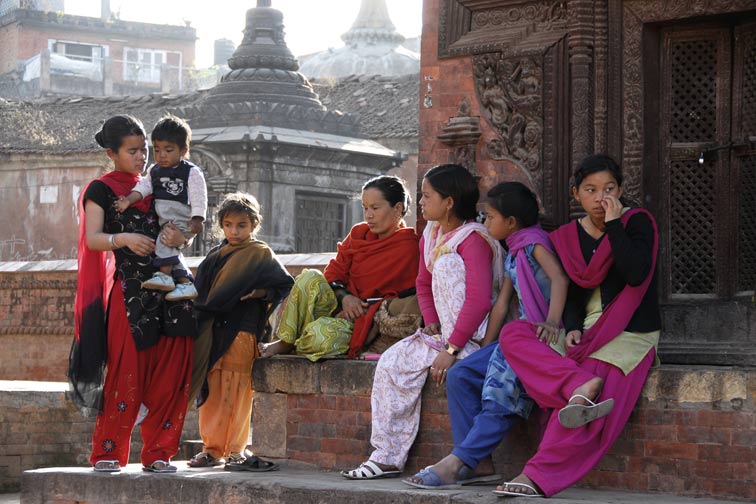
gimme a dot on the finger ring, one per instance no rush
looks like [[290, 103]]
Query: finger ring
[[432, 368]]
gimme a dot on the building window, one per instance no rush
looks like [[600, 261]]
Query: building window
[[143, 65], [76, 51], [320, 222]]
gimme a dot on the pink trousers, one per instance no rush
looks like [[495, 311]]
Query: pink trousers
[[564, 456]]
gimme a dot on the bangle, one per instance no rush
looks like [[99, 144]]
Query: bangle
[[112, 242]]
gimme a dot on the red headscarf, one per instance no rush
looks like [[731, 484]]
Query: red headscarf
[[618, 313], [374, 267]]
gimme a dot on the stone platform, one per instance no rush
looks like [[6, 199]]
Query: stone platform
[[294, 483]]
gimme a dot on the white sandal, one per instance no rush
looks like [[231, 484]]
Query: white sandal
[[107, 466], [369, 470], [573, 416], [160, 466]]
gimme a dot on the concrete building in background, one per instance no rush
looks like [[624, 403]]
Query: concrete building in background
[[45, 51], [304, 150]]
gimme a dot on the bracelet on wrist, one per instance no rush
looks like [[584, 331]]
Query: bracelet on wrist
[[112, 242]]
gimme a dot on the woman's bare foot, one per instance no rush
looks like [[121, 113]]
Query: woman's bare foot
[[520, 485], [590, 389], [275, 348], [485, 467], [447, 469]]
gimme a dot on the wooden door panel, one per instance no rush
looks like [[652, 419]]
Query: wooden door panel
[[743, 156], [695, 115]]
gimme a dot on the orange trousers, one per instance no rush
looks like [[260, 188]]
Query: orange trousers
[[224, 419]]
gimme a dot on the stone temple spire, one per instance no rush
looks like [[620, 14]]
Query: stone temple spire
[[262, 67], [372, 25], [263, 45], [264, 85]]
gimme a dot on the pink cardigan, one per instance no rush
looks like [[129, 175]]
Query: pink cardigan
[[477, 256]]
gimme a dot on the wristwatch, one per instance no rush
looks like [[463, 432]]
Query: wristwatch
[[451, 350]]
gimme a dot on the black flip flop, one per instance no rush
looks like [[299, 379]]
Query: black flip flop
[[252, 464]]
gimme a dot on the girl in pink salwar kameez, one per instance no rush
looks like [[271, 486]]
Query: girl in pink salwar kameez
[[459, 275], [613, 323]]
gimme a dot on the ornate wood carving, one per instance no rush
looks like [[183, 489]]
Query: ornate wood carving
[[524, 99], [509, 92], [475, 26]]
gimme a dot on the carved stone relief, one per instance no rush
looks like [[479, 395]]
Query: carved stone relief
[[510, 97], [462, 132]]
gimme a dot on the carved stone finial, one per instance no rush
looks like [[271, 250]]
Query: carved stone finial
[[462, 132], [263, 77], [372, 25], [464, 108]]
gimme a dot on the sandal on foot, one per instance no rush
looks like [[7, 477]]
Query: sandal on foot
[[107, 466], [573, 416], [531, 491], [430, 481], [370, 470], [467, 476], [204, 459], [160, 466], [251, 464]]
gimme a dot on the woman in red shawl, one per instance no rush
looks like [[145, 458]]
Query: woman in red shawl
[[144, 342], [329, 313]]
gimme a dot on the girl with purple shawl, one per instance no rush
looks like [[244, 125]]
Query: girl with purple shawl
[[484, 396]]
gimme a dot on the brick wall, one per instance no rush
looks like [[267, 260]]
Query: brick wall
[[36, 314], [40, 428], [692, 433]]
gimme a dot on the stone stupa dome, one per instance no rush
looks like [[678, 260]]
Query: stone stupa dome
[[372, 47]]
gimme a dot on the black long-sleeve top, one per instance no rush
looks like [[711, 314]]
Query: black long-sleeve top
[[632, 247]]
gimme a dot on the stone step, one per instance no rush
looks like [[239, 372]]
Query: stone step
[[295, 483]]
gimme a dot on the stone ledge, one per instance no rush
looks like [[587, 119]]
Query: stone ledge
[[292, 484], [692, 433]]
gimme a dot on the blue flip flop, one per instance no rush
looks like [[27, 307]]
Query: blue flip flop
[[430, 481]]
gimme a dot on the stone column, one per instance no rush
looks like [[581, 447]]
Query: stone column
[[44, 71], [107, 76]]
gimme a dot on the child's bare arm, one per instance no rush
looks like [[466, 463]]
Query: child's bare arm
[[124, 202], [498, 313], [195, 225], [559, 283]]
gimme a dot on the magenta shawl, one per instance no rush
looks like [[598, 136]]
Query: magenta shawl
[[534, 303], [618, 313]]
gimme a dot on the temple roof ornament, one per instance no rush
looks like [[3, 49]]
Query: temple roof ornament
[[264, 86]]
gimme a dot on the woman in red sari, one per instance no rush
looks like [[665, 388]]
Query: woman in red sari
[[331, 313], [144, 342], [613, 325]]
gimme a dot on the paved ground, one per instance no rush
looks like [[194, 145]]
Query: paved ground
[[292, 484]]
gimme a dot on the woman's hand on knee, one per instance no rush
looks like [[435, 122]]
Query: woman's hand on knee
[[573, 338], [440, 366], [352, 308], [432, 328]]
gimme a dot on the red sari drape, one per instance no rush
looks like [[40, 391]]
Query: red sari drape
[[373, 267]]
